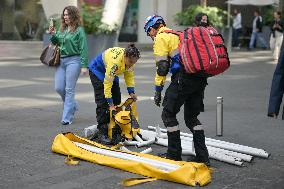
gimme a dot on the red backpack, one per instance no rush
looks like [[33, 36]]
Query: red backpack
[[202, 49]]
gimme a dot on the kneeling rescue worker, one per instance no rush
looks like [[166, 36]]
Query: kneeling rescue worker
[[104, 71], [185, 89]]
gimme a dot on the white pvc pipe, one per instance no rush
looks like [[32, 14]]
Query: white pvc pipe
[[89, 131], [227, 145], [155, 163], [125, 149], [130, 143], [212, 149], [138, 138], [147, 151], [217, 156], [212, 154], [145, 143], [243, 156], [163, 135], [235, 147]]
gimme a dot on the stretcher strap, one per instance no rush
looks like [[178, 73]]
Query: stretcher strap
[[135, 181]]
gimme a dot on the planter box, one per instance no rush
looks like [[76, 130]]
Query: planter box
[[99, 43], [45, 39]]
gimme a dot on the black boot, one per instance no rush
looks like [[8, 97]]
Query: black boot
[[174, 146], [201, 151], [103, 135]]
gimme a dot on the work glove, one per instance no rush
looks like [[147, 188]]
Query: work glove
[[113, 113], [158, 98]]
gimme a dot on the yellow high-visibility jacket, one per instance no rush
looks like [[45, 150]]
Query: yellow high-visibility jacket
[[108, 66], [166, 47]]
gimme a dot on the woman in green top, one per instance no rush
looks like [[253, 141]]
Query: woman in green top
[[74, 58]]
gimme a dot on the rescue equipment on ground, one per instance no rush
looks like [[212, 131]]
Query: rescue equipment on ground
[[202, 49], [228, 152], [124, 122], [152, 167], [219, 150]]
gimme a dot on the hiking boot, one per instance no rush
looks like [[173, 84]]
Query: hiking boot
[[165, 155], [201, 151], [103, 135]]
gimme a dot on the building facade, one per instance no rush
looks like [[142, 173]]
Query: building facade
[[25, 20]]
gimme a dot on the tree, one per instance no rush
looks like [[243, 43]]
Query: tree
[[203, 3]]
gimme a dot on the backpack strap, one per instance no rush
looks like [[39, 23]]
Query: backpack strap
[[172, 32]]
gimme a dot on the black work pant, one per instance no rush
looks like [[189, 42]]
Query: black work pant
[[187, 90], [102, 110]]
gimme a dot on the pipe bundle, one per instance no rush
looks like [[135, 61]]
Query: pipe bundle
[[219, 150]]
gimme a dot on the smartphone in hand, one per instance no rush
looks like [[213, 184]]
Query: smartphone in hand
[[51, 26]]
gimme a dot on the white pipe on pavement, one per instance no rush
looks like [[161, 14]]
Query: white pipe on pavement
[[212, 153], [145, 143], [219, 147], [226, 145], [147, 151], [130, 143]]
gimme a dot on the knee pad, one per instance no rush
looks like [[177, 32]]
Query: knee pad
[[163, 67], [169, 121]]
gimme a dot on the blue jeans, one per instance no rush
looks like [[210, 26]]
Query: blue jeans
[[253, 38], [66, 77]]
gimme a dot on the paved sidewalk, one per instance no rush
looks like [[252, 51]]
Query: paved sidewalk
[[30, 113]]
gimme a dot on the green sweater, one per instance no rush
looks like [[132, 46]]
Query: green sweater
[[72, 43]]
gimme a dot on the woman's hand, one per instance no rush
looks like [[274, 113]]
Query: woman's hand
[[51, 29], [84, 71], [134, 96]]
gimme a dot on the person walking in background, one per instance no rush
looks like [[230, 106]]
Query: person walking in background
[[184, 89], [237, 29], [104, 70], [276, 36], [277, 88], [257, 32], [72, 41]]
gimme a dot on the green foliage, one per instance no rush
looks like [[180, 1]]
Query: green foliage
[[216, 16], [268, 15], [91, 18]]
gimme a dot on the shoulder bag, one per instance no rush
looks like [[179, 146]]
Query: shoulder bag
[[50, 55]]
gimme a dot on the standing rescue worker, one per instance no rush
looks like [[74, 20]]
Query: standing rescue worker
[[104, 71], [184, 89]]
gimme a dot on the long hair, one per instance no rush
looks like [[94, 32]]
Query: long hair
[[74, 16]]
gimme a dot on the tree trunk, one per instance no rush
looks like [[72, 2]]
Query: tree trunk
[[113, 13], [203, 3]]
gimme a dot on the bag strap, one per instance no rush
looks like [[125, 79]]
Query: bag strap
[[172, 32]]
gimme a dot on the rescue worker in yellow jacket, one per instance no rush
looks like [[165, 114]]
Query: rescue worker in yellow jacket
[[104, 71], [184, 89]]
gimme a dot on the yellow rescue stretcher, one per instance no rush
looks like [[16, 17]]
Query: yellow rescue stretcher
[[187, 173]]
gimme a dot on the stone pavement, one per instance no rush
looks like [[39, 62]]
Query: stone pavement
[[30, 113]]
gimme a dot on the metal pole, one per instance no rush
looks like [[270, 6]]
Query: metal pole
[[229, 28], [219, 116]]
